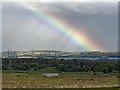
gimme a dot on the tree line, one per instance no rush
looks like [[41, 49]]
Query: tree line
[[61, 65]]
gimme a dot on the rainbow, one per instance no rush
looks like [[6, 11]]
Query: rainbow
[[59, 25]]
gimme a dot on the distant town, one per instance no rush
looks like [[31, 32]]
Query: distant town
[[91, 55]]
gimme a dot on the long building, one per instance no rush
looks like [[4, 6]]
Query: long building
[[94, 55]]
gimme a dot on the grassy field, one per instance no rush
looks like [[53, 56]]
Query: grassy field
[[34, 79]]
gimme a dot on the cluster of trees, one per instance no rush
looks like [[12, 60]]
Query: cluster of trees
[[105, 66]]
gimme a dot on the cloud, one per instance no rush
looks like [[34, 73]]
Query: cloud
[[44, 1], [0, 27], [81, 7], [23, 30], [100, 19]]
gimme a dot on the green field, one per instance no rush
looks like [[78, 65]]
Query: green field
[[34, 79]]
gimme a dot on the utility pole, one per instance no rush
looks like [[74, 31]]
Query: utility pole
[[14, 54], [10, 61], [32, 53]]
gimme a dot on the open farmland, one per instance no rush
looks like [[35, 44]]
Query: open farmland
[[28, 73], [64, 80]]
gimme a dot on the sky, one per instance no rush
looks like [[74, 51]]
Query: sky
[[28, 26], [0, 27]]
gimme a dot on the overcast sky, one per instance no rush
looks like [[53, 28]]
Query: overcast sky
[[23, 31]]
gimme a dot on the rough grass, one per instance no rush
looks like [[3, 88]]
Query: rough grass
[[64, 80]]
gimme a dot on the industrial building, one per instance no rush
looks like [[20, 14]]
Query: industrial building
[[92, 55]]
